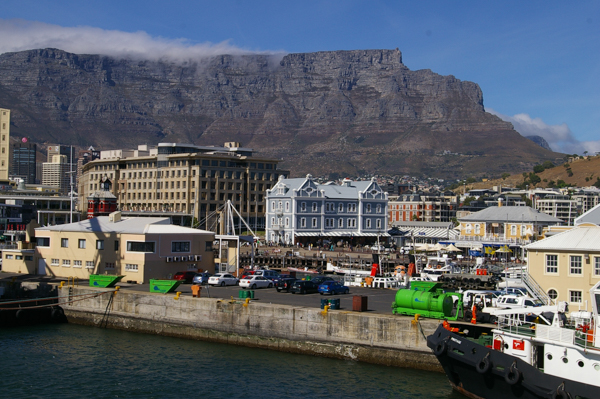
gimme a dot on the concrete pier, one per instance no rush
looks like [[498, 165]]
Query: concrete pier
[[373, 338]]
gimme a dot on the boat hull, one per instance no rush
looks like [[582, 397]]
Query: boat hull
[[501, 376]]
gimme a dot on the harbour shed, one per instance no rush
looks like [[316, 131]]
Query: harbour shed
[[138, 248]]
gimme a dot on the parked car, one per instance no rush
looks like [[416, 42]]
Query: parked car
[[514, 291], [318, 280], [281, 277], [222, 279], [285, 284], [304, 287], [270, 274], [255, 281], [333, 287], [186, 277], [201, 278]]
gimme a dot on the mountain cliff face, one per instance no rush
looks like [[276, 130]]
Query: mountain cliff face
[[347, 112]]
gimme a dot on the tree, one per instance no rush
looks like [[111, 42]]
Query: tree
[[505, 175], [548, 165], [538, 169]]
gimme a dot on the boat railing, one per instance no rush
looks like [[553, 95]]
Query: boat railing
[[517, 324]]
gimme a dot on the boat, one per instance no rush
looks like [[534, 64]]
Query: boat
[[531, 353], [437, 266]]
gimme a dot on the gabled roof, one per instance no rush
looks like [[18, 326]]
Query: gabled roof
[[583, 238], [591, 216], [139, 225], [514, 214]]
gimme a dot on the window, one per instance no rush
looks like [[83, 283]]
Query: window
[[129, 267], [596, 266], [8, 257], [552, 294], [468, 228], [340, 223], [314, 207], [351, 222], [89, 264], [552, 264], [208, 246], [287, 206], [513, 230], [99, 244], [378, 208], [28, 257], [368, 208], [575, 266], [314, 222], [287, 222], [116, 245], [340, 207], [180, 246], [77, 263], [81, 244], [64, 242], [351, 207], [378, 223], [303, 222], [575, 296], [55, 262], [477, 229], [303, 206], [109, 265], [368, 223], [66, 263], [141, 246]]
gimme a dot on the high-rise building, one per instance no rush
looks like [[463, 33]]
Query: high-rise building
[[56, 173], [23, 160], [65, 150], [4, 143], [182, 179]]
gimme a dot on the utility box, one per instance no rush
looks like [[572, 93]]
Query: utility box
[[359, 303]]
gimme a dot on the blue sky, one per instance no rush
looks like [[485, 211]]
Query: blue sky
[[537, 62]]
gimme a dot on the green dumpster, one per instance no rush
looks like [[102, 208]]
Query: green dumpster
[[334, 304], [104, 281], [164, 286]]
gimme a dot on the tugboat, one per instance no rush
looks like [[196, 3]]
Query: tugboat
[[532, 353]]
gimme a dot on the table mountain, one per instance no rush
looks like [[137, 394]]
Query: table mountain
[[348, 112]]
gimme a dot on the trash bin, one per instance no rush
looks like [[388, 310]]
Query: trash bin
[[196, 291], [324, 302], [359, 303], [250, 294], [334, 304], [243, 294]]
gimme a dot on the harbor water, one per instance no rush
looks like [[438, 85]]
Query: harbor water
[[72, 361]]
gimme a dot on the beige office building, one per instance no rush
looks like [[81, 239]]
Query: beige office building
[[139, 249], [184, 179], [56, 173], [4, 143]]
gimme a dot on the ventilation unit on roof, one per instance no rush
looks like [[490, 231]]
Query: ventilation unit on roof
[[177, 259], [198, 258], [169, 259]]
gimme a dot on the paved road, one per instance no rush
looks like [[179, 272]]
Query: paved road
[[379, 300]]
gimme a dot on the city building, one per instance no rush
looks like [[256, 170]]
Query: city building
[[184, 181], [586, 199], [139, 249], [423, 232], [4, 145], [559, 206], [424, 207], [497, 226], [65, 150], [566, 265], [57, 173], [23, 161], [302, 211]]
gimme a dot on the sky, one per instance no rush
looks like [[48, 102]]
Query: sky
[[537, 62]]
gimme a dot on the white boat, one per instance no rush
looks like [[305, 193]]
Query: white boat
[[532, 353], [436, 266]]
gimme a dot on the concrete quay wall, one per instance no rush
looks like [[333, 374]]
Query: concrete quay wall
[[373, 338]]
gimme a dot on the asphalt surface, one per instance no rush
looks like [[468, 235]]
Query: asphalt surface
[[379, 299]]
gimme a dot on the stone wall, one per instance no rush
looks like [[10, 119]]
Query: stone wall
[[374, 338]]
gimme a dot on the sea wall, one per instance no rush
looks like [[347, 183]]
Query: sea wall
[[362, 336]]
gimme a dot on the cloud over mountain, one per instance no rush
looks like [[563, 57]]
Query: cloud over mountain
[[559, 137], [18, 35]]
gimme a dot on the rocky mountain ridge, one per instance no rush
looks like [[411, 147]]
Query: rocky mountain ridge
[[349, 112]]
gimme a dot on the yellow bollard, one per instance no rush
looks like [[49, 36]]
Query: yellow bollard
[[416, 320], [325, 309], [247, 302], [177, 295], [62, 284]]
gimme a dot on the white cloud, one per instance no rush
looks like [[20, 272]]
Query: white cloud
[[19, 35], [559, 137]]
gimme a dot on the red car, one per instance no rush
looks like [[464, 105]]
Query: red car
[[187, 277]]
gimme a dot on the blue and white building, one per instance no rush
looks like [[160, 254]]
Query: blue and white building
[[300, 210]]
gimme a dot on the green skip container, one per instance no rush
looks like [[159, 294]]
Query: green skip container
[[246, 294], [164, 286], [104, 281]]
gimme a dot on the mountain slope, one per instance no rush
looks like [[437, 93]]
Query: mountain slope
[[348, 112]]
